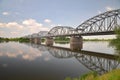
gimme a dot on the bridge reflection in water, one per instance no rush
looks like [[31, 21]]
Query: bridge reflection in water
[[99, 62]]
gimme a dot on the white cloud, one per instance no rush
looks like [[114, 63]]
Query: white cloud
[[14, 29], [47, 21], [31, 22], [108, 8], [34, 26], [14, 24], [14, 33], [5, 13]]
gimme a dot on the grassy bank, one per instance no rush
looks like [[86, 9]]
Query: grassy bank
[[112, 75]]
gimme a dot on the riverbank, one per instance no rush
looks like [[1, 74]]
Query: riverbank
[[61, 41], [112, 75], [97, 39], [56, 40]]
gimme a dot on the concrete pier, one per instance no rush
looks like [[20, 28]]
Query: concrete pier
[[49, 41], [37, 40], [31, 40], [76, 43]]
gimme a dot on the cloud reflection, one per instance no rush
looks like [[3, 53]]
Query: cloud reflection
[[24, 52], [47, 58]]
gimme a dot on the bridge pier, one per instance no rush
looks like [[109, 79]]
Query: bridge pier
[[49, 41], [31, 40], [76, 43], [37, 40]]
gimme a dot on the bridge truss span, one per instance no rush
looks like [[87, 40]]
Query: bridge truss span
[[105, 22], [102, 24], [61, 31]]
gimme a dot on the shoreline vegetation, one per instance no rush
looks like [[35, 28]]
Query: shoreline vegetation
[[56, 40], [112, 75], [86, 40], [14, 39]]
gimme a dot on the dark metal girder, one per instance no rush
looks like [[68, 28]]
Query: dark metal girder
[[85, 34], [104, 15]]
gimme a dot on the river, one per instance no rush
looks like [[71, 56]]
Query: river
[[28, 61]]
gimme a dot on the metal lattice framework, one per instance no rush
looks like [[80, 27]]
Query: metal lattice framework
[[60, 31], [42, 33], [105, 22]]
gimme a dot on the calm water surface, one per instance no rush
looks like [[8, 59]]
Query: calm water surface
[[26, 61]]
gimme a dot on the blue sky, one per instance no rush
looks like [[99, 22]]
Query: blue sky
[[22, 17]]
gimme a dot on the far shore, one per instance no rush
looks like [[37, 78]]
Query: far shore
[[84, 40], [56, 40]]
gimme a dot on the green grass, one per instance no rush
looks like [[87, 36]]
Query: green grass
[[112, 75], [88, 76]]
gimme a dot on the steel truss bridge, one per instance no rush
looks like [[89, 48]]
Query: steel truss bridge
[[95, 61], [102, 24]]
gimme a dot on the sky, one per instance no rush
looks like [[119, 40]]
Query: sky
[[24, 17]]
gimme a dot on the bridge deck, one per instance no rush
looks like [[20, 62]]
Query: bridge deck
[[83, 34]]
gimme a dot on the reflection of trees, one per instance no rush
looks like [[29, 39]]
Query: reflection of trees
[[99, 62], [116, 42]]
